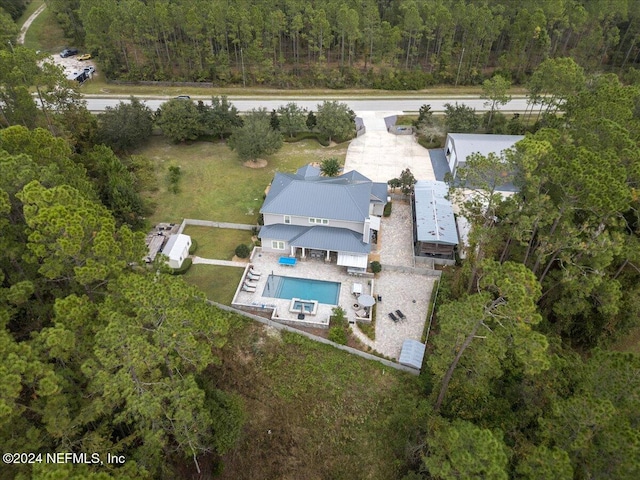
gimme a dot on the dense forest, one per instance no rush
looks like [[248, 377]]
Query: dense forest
[[391, 44], [524, 377], [521, 380]]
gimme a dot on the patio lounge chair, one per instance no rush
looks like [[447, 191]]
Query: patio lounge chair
[[246, 288], [252, 276], [250, 284], [401, 315], [253, 271], [393, 317]]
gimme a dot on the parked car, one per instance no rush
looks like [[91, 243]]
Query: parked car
[[84, 56], [68, 52], [183, 97], [79, 77]]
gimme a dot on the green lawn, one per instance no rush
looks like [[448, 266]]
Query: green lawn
[[315, 412], [218, 283], [218, 243], [214, 183]]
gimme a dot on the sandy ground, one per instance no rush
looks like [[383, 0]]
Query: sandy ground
[[69, 64]]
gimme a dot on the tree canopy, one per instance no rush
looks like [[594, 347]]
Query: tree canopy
[[335, 120], [391, 45], [125, 126], [100, 354], [255, 137]]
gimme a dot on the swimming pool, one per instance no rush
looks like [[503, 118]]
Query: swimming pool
[[302, 288]]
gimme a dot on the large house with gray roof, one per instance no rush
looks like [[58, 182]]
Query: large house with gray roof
[[334, 218]]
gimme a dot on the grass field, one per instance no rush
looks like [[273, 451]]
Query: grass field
[[218, 243], [45, 34], [315, 412], [217, 282], [215, 185], [32, 6], [102, 87]]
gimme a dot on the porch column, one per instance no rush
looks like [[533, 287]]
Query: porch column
[[293, 251], [303, 253], [328, 259]]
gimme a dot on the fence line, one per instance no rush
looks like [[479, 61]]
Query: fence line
[[345, 348], [212, 223]]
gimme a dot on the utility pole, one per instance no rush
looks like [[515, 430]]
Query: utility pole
[[459, 66], [244, 83]]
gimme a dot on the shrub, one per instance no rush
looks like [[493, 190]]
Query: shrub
[[387, 209], [376, 267], [425, 143], [193, 247], [330, 167], [338, 335], [186, 265], [242, 251], [321, 139], [173, 178], [338, 316]]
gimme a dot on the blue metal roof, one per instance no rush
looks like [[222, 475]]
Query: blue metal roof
[[317, 237], [346, 197], [435, 221]]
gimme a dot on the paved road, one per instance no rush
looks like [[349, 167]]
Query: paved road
[[98, 104]]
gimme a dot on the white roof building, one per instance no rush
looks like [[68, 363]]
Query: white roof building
[[177, 249], [459, 146]]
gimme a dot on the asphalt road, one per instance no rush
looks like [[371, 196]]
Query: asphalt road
[[98, 104]]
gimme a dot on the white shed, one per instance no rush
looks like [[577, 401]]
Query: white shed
[[177, 249], [459, 146]]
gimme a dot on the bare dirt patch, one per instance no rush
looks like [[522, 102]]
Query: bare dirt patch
[[260, 163]]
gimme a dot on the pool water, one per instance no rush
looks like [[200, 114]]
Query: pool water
[[304, 288]]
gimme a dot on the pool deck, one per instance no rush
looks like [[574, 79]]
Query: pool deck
[[407, 292], [316, 269]]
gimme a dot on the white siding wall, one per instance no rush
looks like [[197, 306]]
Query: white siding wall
[[451, 148], [273, 219]]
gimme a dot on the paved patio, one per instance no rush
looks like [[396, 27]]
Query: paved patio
[[395, 244], [407, 292]]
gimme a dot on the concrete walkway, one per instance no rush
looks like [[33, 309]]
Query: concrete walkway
[[224, 263]]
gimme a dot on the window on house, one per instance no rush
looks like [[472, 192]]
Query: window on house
[[321, 221], [287, 219], [277, 244]]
